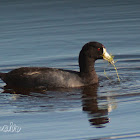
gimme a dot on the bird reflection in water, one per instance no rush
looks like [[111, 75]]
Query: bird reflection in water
[[91, 102], [97, 116]]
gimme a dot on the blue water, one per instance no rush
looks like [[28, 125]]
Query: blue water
[[51, 33]]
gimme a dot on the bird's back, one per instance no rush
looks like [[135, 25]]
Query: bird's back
[[48, 77]]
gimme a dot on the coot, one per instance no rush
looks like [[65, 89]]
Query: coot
[[32, 77]]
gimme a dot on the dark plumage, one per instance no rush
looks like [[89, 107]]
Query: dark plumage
[[32, 77]]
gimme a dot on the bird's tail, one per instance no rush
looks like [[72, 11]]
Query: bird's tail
[[2, 75]]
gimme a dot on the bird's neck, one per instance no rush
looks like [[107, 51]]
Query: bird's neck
[[86, 65], [87, 71]]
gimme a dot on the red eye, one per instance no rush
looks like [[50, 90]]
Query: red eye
[[98, 49]]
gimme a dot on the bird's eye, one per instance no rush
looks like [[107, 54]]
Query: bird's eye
[[98, 49]]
